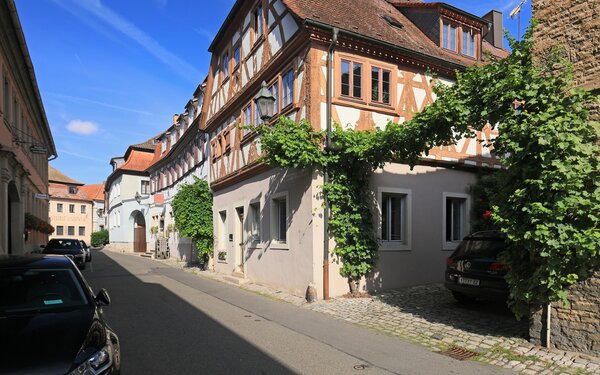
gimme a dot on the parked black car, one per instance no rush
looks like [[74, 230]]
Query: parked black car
[[69, 247], [86, 249], [474, 270], [51, 323]]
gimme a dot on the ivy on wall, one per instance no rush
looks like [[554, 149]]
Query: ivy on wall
[[547, 200], [192, 209]]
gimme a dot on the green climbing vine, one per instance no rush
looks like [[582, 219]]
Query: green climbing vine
[[192, 208], [547, 200]]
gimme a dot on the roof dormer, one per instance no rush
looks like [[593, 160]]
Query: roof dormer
[[451, 28]]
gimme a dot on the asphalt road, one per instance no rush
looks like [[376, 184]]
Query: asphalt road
[[172, 322]]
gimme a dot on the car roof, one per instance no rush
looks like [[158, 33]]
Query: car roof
[[35, 261]]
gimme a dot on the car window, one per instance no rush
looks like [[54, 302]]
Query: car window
[[63, 244], [481, 247], [39, 290]]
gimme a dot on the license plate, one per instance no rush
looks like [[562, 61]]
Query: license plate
[[467, 281]]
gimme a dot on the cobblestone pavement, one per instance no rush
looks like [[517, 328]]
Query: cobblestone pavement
[[429, 315]]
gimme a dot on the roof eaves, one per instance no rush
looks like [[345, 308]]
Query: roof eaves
[[394, 47], [225, 24]]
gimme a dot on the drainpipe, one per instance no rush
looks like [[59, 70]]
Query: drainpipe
[[548, 321], [329, 93]]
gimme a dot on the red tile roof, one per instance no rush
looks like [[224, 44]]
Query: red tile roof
[[137, 161], [94, 192], [365, 17], [61, 191]]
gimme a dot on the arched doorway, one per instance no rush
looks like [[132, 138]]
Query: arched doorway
[[139, 232], [12, 230]]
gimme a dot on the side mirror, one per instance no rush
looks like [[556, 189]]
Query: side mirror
[[102, 298]]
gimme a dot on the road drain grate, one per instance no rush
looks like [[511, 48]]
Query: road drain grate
[[459, 353]]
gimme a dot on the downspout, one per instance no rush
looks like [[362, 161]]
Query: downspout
[[548, 321], [329, 94]]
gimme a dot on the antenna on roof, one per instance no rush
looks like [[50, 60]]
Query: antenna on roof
[[517, 12]]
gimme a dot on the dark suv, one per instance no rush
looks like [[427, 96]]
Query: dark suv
[[474, 270]]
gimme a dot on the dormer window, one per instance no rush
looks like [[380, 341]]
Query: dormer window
[[468, 42], [449, 31], [163, 145], [72, 189], [460, 38]]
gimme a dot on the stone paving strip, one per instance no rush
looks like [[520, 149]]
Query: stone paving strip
[[429, 315]]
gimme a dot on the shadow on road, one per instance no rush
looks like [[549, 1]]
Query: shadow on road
[[161, 333]]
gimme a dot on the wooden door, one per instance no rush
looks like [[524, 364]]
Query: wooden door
[[139, 239]]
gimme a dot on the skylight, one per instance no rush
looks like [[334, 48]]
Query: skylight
[[392, 21]]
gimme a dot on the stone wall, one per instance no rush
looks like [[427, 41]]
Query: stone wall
[[575, 327], [575, 26]]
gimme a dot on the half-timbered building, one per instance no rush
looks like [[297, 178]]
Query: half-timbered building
[[381, 59], [180, 156]]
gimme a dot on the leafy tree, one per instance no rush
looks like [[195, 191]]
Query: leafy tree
[[100, 238], [192, 208], [547, 200]]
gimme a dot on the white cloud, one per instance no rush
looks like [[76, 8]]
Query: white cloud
[[82, 127]]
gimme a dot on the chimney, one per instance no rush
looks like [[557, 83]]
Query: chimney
[[494, 33]]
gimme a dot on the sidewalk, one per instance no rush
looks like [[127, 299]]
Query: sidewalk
[[428, 315]]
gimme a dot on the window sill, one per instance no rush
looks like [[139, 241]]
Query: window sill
[[394, 246], [275, 245]]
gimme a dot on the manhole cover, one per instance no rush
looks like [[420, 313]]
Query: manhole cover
[[459, 353]]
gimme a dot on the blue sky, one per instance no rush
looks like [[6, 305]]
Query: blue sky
[[112, 73]]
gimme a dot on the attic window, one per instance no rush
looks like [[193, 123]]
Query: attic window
[[72, 189], [392, 21]]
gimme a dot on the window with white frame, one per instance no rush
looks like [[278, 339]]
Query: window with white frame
[[254, 221], [279, 220], [455, 213], [395, 209]]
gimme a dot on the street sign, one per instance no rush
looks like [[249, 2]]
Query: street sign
[[41, 196]]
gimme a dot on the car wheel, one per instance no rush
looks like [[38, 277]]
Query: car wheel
[[463, 298]]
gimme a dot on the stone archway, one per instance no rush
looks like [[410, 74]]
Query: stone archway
[[139, 232], [14, 226]]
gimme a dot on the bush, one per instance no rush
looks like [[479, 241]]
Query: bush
[[100, 238]]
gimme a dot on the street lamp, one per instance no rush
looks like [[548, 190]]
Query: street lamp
[[138, 197], [264, 101]]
